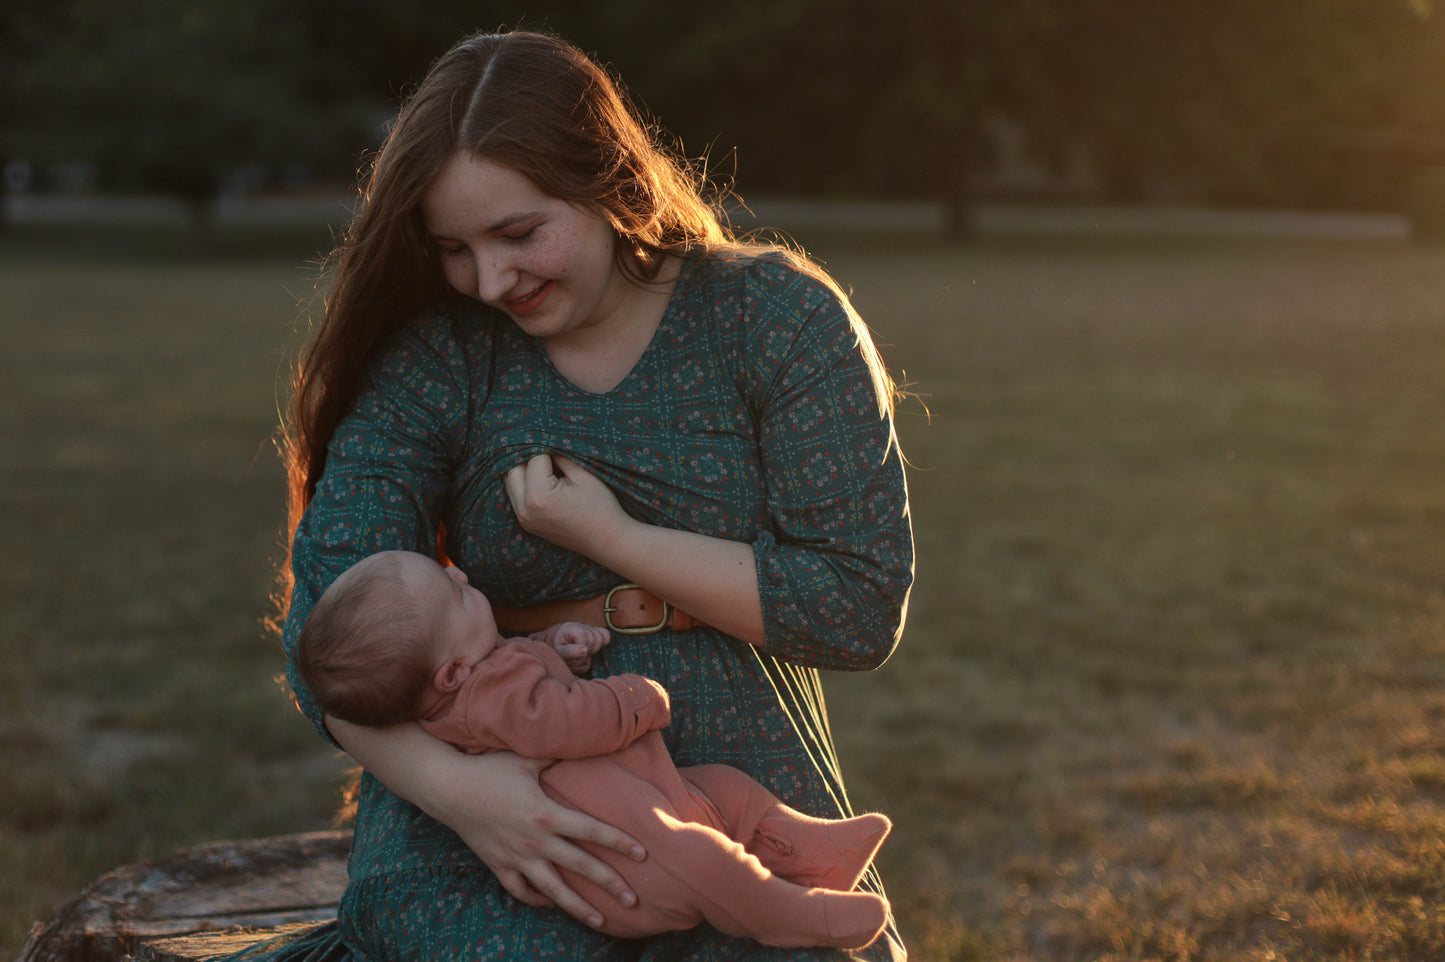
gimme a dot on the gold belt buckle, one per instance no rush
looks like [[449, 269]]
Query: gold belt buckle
[[608, 609]]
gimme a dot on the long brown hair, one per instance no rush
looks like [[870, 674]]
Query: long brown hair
[[537, 104]]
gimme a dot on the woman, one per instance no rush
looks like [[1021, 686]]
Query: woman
[[544, 358]]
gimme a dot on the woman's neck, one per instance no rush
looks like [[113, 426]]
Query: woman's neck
[[599, 357]]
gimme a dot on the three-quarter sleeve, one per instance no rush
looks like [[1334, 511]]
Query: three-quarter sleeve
[[386, 475], [835, 566]]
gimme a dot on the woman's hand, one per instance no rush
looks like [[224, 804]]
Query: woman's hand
[[557, 499], [712, 579], [495, 803], [526, 836]]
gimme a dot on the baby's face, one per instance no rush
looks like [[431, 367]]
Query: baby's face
[[463, 628]]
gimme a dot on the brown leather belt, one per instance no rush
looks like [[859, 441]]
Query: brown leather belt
[[626, 609]]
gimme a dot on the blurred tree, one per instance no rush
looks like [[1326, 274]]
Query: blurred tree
[[831, 96], [1230, 99], [1326, 103], [1233, 100], [23, 26], [176, 95]]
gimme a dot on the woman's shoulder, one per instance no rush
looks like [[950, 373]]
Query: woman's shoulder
[[453, 320], [440, 357], [760, 265], [772, 285], [453, 330]]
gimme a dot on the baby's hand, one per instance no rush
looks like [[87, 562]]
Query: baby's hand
[[576, 643]]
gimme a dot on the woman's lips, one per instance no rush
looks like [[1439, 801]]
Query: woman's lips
[[528, 303]]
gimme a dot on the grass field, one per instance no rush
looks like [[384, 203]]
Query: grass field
[[1172, 684]]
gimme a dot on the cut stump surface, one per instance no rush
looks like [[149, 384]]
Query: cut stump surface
[[254, 887]]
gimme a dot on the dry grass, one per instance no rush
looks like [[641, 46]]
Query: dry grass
[[142, 504], [1173, 676], [1172, 683]]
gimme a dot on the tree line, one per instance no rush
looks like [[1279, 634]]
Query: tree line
[[1330, 103]]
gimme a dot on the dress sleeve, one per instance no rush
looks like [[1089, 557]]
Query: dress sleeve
[[523, 698], [835, 567], [387, 473]]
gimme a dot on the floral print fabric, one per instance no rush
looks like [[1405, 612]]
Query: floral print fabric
[[751, 416]]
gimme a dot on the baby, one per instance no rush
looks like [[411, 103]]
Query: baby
[[398, 638]]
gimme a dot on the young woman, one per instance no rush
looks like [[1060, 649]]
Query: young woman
[[543, 357]]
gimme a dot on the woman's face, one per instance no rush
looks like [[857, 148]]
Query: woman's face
[[548, 263]]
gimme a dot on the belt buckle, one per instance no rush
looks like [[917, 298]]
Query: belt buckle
[[608, 608]]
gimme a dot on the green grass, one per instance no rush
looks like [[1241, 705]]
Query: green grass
[[1172, 684]]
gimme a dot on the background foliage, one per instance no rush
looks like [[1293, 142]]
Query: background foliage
[[1332, 103]]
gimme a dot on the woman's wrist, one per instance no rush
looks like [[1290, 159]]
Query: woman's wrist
[[408, 761], [713, 579]]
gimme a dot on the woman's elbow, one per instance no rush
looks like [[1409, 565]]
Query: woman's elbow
[[892, 608], [875, 636], [877, 649]]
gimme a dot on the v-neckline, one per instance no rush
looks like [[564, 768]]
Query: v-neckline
[[663, 321]]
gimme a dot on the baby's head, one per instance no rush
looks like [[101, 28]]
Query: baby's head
[[390, 633]]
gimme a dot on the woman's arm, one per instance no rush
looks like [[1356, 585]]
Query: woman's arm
[[825, 583], [710, 578], [495, 804], [385, 485]]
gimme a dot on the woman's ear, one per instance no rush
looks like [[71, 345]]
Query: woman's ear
[[449, 676]]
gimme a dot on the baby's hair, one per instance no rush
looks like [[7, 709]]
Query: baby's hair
[[360, 650]]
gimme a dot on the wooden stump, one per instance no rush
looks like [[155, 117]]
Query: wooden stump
[[208, 946], [255, 887]]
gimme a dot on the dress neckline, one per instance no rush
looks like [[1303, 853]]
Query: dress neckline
[[684, 276]]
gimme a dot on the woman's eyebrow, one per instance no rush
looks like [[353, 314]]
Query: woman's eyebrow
[[510, 220]]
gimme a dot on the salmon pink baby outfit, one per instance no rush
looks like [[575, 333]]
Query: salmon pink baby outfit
[[720, 847]]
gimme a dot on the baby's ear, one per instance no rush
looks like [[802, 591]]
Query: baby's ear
[[449, 677]]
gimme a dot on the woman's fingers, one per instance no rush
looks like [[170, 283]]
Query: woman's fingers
[[518, 479], [544, 877], [584, 828], [557, 499], [569, 826], [564, 467], [526, 853], [522, 890], [529, 487]]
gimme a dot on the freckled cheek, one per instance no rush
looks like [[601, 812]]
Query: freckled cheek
[[461, 278], [556, 262]]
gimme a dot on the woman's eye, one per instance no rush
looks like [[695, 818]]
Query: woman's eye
[[518, 238]]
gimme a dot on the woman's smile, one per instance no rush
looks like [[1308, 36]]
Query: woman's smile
[[502, 240], [530, 302]]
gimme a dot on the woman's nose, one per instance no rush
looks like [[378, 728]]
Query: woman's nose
[[495, 277]]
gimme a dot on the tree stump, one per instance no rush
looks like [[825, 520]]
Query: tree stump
[[208, 946], [258, 888]]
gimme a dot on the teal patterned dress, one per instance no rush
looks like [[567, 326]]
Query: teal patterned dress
[[751, 416]]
